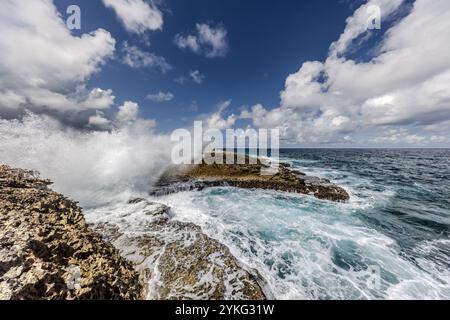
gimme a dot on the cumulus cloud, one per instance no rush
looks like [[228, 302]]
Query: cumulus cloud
[[161, 96], [395, 136], [99, 121], [217, 121], [127, 116], [100, 99], [197, 76], [43, 66], [128, 112], [137, 16], [405, 83], [358, 23], [208, 40], [136, 58]]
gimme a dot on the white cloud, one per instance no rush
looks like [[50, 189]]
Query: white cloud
[[406, 83], [197, 76], [160, 96], [137, 58], [208, 40], [440, 127], [180, 80], [216, 120], [99, 121], [127, 112], [357, 24], [399, 136], [188, 42], [440, 139], [43, 66], [127, 117], [99, 99], [137, 16]]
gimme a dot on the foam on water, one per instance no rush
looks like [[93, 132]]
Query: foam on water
[[308, 249], [92, 167], [390, 241], [312, 249], [144, 239]]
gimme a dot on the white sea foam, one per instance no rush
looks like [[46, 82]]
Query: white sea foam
[[90, 166], [306, 248]]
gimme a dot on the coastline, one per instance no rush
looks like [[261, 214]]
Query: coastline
[[53, 251], [48, 251]]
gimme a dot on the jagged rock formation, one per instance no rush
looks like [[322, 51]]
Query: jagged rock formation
[[249, 176], [176, 259], [47, 250]]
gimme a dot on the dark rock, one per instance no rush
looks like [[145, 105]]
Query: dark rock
[[250, 176]]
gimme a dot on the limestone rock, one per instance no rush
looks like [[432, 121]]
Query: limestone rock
[[47, 250], [176, 259], [248, 176]]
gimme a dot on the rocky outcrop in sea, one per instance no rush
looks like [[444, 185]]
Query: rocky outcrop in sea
[[248, 176]]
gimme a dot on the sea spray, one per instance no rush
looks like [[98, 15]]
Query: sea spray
[[93, 167], [390, 241]]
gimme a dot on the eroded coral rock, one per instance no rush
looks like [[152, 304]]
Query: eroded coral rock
[[176, 259], [248, 176], [47, 250]]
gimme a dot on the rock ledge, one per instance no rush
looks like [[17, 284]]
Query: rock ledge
[[47, 250], [248, 176]]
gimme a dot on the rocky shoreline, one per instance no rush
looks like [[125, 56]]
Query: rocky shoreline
[[48, 251], [176, 259], [248, 176]]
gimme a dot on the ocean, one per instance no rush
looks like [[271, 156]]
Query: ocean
[[391, 241]]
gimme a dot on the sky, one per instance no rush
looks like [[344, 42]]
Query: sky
[[311, 68]]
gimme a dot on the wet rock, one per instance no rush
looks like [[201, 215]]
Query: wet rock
[[156, 209], [178, 261], [47, 250], [249, 176]]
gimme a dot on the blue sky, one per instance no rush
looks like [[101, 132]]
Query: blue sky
[[348, 73], [267, 40]]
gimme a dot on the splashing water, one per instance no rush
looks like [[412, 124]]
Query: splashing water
[[390, 242], [90, 166]]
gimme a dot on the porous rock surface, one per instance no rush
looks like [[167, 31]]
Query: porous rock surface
[[47, 251], [250, 176], [176, 259]]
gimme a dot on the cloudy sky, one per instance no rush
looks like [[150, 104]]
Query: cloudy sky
[[310, 68]]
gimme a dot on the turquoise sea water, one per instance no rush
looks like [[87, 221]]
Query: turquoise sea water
[[391, 241]]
